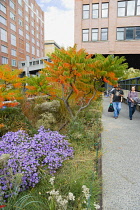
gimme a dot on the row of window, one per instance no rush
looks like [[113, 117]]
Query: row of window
[[5, 61], [122, 33], [4, 49], [13, 27], [12, 5], [13, 16], [3, 37], [125, 8]]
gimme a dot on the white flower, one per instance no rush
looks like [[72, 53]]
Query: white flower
[[52, 180], [96, 206], [53, 192], [86, 192], [71, 197]]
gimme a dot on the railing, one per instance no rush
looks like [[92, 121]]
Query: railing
[[128, 83]]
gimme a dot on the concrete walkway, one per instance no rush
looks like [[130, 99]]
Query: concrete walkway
[[120, 160]]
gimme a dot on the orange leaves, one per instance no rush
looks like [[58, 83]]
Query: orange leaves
[[10, 84], [1, 125]]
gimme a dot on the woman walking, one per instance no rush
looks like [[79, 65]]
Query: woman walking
[[132, 106]]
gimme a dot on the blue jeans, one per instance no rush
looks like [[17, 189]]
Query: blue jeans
[[117, 108], [131, 110]]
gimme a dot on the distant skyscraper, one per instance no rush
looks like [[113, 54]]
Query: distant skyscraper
[[21, 31]]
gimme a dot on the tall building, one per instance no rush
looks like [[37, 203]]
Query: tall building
[[21, 31], [109, 27]]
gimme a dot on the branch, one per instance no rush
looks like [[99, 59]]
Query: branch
[[83, 107]]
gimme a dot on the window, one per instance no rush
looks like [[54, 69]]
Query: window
[[13, 62], [37, 43], [4, 60], [138, 7], [20, 12], [20, 32], [26, 18], [137, 32], [37, 52], [37, 36], [12, 16], [27, 27], [27, 36], [20, 2], [12, 5], [33, 50], [32, 23], [105, 10], [4, 49], [33, 32], [121, 9], [20, 22], [27, 57], [32, 14], [13, 52], [94, 34], [128, 33], [26, 8], [104, 34], [85, 11], [33, 40], [32, 6], [95, 10], [12, 26], [13, 39], [131, 8], [85, 35], [2, 8], [3, 35], [128, 8], [23, 64], [3, 20], [27, 47], [120, 33]]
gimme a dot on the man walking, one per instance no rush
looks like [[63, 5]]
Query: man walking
[[116, 98]]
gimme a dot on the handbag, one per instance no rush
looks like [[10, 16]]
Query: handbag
[[111, 108]]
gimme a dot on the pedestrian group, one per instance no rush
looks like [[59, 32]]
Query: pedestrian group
[[117, 97]]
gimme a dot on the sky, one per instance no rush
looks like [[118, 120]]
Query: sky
[[58, 21]]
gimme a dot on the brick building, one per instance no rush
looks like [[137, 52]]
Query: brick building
[[109, 27], [21, 31]]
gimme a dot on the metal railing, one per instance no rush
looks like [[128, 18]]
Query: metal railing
[[128, 83]]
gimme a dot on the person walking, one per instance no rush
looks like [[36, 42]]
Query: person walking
[[131, 103], [116, 99]]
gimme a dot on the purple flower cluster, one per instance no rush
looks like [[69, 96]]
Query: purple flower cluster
[[27, 154]]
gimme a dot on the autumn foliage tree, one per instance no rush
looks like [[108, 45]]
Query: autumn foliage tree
[[76, 78], [10, 86]]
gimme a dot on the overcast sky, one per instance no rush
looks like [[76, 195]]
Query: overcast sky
[[59, 21]]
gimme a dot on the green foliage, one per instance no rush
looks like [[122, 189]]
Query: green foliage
[[76, 172], [13, 120], [130, 73]]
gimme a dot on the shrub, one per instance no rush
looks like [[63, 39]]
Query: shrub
[[28, 154]]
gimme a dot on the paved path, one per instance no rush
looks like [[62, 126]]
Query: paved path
[[120, 160]]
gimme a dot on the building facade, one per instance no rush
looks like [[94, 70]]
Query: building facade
[[21, 31], [33, 66], [50, 46], [109, 27]]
